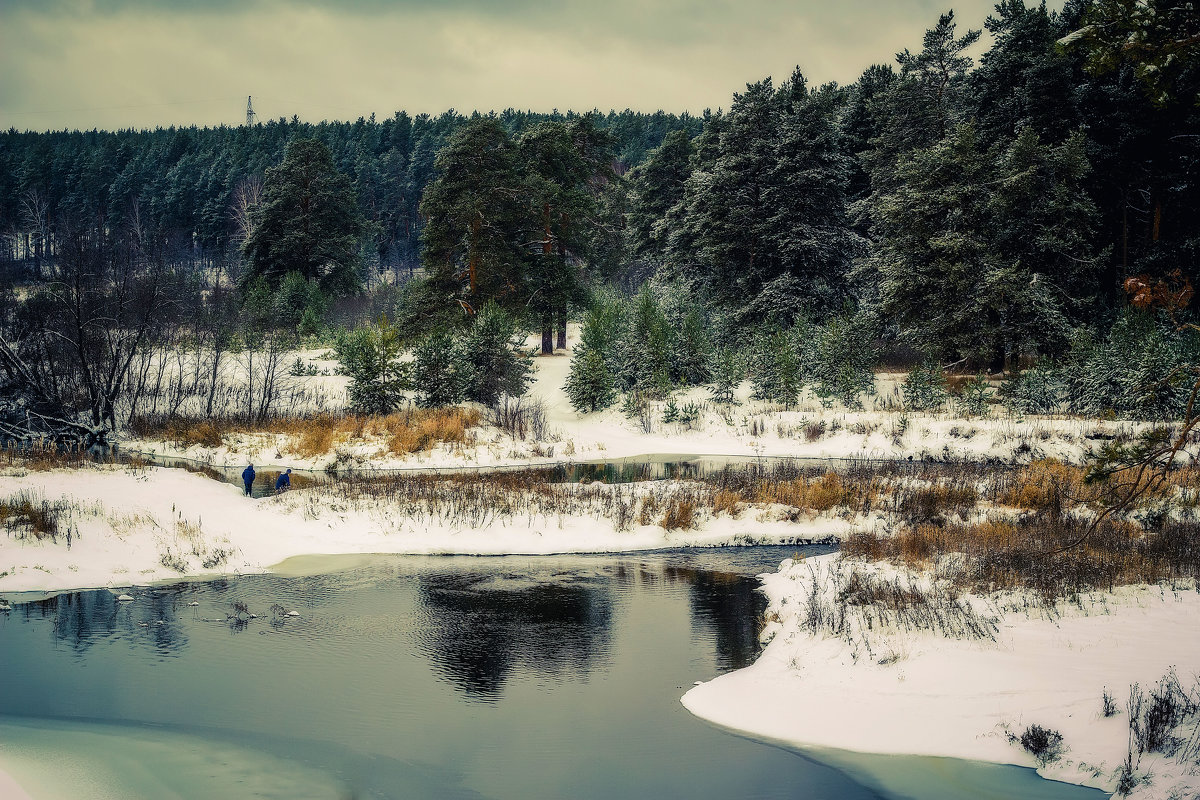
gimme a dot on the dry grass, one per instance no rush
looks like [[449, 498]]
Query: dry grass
[[28, 515], [1041, 553], [680, 514], [39, 458], [1044, 485], [726, 502], [413, 430]]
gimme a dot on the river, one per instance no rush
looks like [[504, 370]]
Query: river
[[419, 677]]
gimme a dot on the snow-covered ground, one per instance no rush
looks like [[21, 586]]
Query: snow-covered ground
[[138, 525], [747, 428], [904, 691]]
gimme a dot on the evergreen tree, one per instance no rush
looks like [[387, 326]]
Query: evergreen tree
[[475, 219], [491, 365], [308, 222], [371, 357], [657, 187], [589, 385], [436, 371]]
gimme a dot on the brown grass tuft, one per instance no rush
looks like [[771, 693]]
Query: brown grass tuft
[[413, 430], [680, 514]]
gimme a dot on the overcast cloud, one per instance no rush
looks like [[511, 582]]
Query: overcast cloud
[[142, 63]]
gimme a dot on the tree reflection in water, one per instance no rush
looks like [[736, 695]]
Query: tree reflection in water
[[478, 628], [732, 607], [475, 629], [81, 619], [728, 605]]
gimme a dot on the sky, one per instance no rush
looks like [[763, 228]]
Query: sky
[[112, 64]]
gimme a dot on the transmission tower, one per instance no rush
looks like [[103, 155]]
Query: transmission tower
[[250, 115]]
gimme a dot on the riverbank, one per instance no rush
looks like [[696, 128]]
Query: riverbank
[[550, 429], [119, 526], [975, 678]]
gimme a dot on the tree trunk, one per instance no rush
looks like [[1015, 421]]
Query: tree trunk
[[547, 335], [562, 328]]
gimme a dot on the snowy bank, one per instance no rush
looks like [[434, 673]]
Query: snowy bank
[[748, 428], [121, 526], [905, 688]]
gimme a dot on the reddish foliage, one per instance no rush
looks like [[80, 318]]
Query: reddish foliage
[[1171, 294]]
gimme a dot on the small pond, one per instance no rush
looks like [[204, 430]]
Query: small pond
[[419, 677]]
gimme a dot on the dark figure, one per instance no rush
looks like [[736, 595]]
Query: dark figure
[[248, 478], [283, 482]]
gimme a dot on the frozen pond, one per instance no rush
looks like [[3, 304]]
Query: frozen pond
[[418, 677]]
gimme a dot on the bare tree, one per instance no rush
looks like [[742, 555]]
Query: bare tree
[[71, 345]]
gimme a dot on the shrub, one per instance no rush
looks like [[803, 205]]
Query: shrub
[[839, 360], [925, 387], [975, 396], [590, 385], [1038, 390], [727, 374], [1133, 370], [490, 364], [436, 372], [1044, 744], [775, 367]]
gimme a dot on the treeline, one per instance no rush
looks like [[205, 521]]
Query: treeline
[[978, 212], [193, 188], [958, 213]]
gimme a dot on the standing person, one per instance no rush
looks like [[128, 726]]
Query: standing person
[[248, 478], [283, 482]]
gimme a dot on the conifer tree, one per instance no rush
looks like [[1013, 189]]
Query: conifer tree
[[589, 386], [308, 222]]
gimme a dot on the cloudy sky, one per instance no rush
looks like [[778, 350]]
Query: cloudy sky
[[142, 63]]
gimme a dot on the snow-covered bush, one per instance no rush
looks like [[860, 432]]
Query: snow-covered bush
[[589, 385], [727, 372], [975, 396], [1038, 390], [1138, 369], [436, 371], [925, 387], [775, 369], [839, 360], [490, 364]]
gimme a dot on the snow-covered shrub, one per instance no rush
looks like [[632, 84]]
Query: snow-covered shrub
[[925, 387], [436, 371], [1044, 744], [727, 372], [648, 346], [491, 365], [1138, 369], [589, 386], [775, 366], [839, 360], [975, 396], [1038, 390]]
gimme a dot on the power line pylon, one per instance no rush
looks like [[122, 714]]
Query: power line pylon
[[250, 115]]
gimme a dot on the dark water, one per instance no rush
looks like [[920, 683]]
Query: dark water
[[413, 677]]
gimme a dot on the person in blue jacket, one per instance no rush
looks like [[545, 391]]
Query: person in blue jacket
[[284, 481], [248, 478]]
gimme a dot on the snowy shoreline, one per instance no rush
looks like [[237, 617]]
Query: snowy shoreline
[[921, 693], [137, 525]]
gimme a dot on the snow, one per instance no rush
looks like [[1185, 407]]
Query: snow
[[749, 428], [920, 693], [138, 525]]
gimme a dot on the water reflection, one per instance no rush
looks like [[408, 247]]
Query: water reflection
[[731, 607], [476, 629], [419, 678], [81, 619]]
